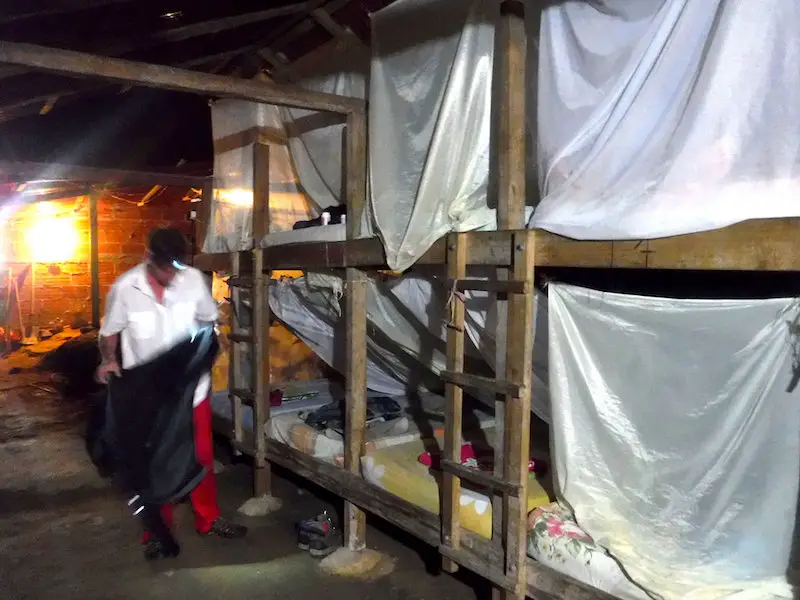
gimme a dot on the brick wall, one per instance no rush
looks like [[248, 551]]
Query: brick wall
[[63, 289]]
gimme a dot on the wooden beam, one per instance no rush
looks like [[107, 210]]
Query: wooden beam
[[94, 245], [421, 523], [58, 7], [31, 171], [193, 30], [66, 62], [512, 430], [757, 245], [327, 22], [260, 222]]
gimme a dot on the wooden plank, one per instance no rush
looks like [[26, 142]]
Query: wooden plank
[[203, 215], [489, 285], [260, 373], [356, 323], [213, 262], [419, 522], [260, 193], [467, 559], [94, 250], [511, 169], [479, 382], [479, 478], [356, 397], [757, 245], [30, 171], [327, 22], [518, 410], [235, 357], [260, 358], [80, 64], [356, 170], [454, 394]]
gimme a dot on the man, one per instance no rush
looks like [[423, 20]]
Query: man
[[150, 309]]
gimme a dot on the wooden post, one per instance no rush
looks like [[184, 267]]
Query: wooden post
[[204, 214], [94, 243], [261, 185], [518, 410], [511, 119], [451, 489], [356, 324], [260, 324]]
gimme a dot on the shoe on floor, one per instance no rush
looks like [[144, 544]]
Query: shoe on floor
[[153, 550], [225, 529], [320, 547]]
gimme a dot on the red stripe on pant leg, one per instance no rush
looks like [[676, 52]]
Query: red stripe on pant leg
[[204, 496]]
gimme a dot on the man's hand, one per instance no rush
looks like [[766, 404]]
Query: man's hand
[[106, 369]]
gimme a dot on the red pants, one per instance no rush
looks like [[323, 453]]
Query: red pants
[[204, 496]]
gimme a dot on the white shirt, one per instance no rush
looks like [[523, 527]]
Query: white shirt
[[148, 327]]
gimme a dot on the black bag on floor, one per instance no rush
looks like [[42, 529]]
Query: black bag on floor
[[149, 426]]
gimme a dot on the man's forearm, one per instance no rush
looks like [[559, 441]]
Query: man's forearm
[[108, 348]]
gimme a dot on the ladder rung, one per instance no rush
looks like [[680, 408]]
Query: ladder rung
[[479, 568], [240, 281], [246, 396], [497, 386], [240, 337], [510, 286], [482, 479]]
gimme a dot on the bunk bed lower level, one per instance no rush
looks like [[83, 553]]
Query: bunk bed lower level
[[729, 249]]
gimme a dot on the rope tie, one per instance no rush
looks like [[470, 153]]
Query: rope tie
[[450, 308]]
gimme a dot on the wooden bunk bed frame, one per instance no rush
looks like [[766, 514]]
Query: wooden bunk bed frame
[[514, 251]]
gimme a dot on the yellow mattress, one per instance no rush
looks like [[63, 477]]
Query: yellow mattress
[[398, 470]]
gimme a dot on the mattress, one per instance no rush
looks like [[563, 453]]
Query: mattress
[[397, 470], [327, 233], [423, 417], [555, 540]]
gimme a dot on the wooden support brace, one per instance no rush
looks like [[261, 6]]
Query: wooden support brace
[[451, 484], [81, 64], [478, 382], [259, 297], [518, 410], [511, 167], [355, 520], [356, 398], [235, 359]]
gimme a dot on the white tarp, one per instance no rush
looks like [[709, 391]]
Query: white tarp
[[406, 330], [235, 126], [664, 117], [675, 441], [317, 139], [429, 122]]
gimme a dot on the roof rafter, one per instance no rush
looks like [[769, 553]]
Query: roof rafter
[[79, 64]]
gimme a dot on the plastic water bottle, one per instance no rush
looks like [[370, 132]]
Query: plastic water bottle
[[326, 218]]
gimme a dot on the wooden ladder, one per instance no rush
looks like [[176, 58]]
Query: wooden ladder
[[514, 441], [252, 333]]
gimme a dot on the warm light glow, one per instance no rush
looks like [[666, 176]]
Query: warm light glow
[[236, 196], [51, 239]]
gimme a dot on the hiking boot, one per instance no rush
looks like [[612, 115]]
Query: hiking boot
[[303, 537], [320, 547], [153, 550], [317, 535], [225, 529]]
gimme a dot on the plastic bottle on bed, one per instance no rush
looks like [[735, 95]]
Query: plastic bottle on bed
[[326, 218]]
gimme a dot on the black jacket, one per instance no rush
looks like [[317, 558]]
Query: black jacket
[[147, 434]]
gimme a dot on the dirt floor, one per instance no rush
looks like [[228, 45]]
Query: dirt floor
[[65, 533]]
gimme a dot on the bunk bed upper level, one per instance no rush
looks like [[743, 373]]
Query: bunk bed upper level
[[610, 167]]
